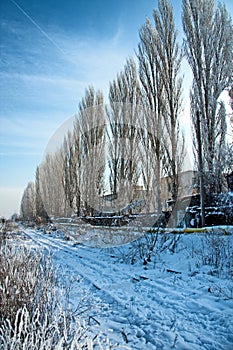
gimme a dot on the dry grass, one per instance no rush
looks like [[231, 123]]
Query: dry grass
[[32, 315], [27, 279]]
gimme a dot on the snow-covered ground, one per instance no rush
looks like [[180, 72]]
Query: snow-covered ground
[[181, 298]]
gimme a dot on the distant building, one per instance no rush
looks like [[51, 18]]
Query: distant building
[[188, 185]]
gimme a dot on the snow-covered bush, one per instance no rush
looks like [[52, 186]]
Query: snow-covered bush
[[33, 330], [146, 248], [217, 251], [32, 315], [26, 279]]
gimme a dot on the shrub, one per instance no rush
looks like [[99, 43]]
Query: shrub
[[151, 244], [26, 279], [217, 251], [29, 332], [31, 314]]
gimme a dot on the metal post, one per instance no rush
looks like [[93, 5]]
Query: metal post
[[200, 169]]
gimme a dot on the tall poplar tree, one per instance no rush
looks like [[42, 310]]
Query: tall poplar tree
[[123, 114], [160, 58], [90, 123], [208, 47]]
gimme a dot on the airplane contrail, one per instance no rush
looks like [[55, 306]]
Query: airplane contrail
[[38, 27]]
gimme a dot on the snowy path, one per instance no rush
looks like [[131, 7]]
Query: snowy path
[[148, 308]]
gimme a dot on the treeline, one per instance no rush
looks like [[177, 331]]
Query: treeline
[[135, 137]]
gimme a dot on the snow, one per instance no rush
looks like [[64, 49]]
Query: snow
[[182, 298]]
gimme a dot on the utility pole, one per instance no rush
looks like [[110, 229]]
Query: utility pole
[[200, 169], [231, 97]]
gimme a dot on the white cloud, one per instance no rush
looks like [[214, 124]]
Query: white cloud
[[47, 79], [19, 153], [33, 129], [36, 102], [96, 61]]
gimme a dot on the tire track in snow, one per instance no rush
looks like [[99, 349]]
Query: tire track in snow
[[101, 290], [163, 310]]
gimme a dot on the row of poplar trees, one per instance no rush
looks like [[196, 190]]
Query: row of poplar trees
[[136, 137]]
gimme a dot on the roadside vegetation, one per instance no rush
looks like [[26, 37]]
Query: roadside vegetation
[[34, 314]]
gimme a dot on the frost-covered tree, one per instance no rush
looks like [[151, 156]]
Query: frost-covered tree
[[72, 179], [160, 58], [51, 179], [208, 47], [40, 208], [151, 82], [168, 60], [28, 202], [90, 123], [123, 114], [70, 172]]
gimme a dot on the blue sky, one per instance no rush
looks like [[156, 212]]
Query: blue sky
[[50, 52]]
